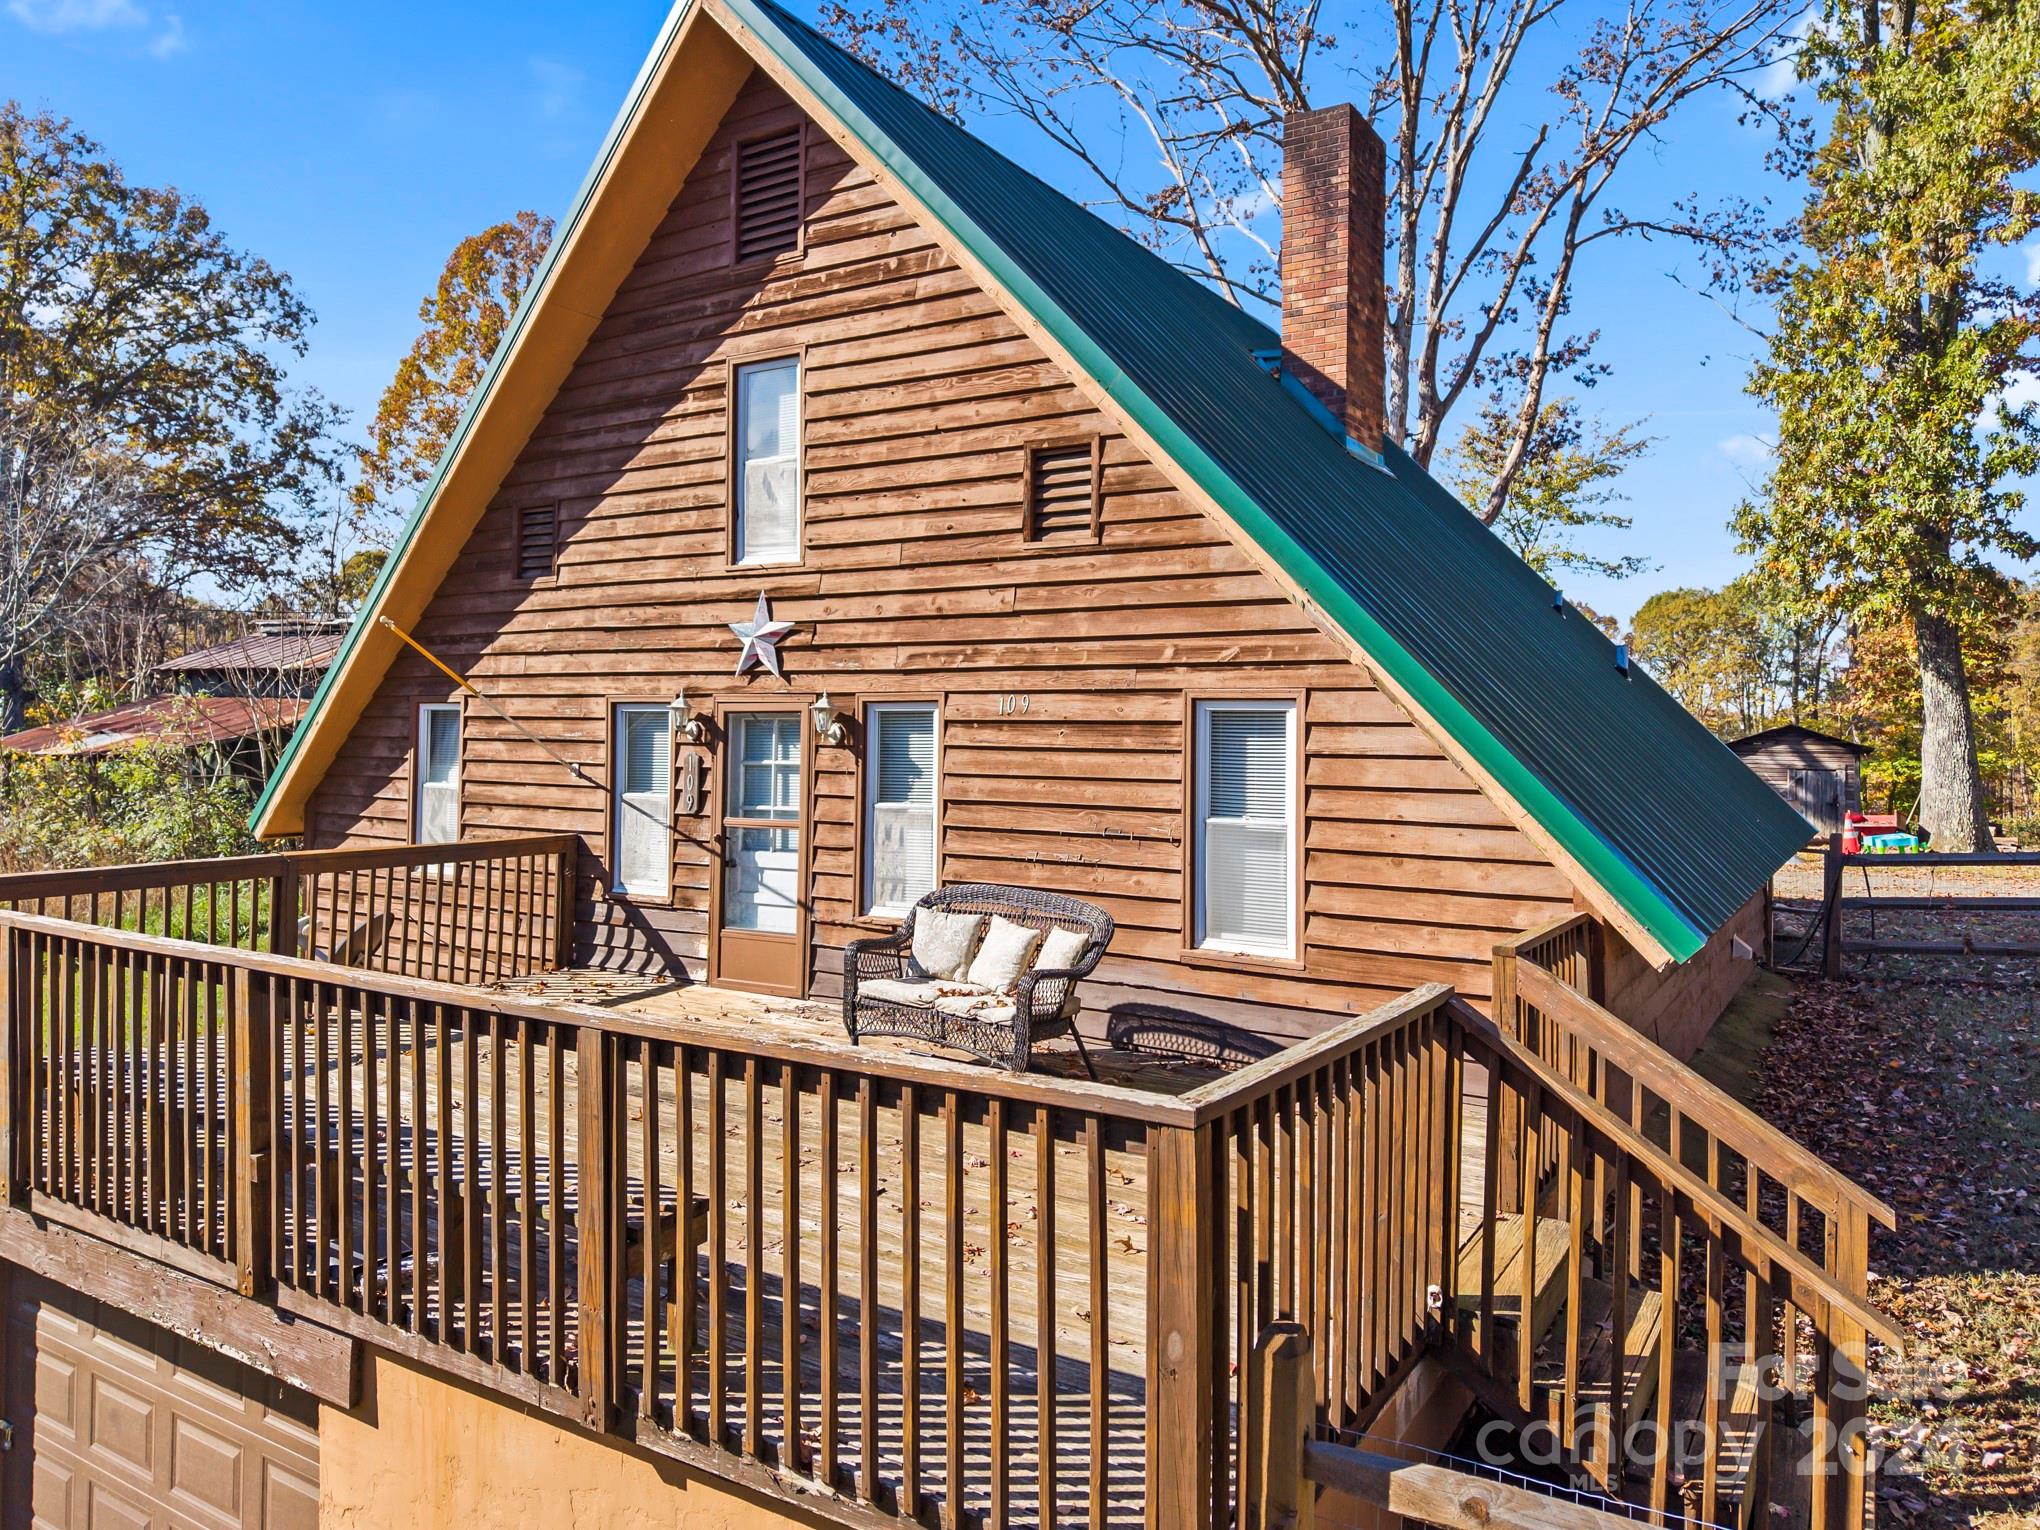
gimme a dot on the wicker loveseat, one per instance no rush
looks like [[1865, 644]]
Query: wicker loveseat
[[886, 994]]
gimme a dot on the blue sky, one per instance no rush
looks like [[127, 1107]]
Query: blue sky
[[354, 145]]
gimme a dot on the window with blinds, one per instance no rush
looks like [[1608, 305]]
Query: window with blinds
[[538, 530], [766, 469], [768, 195], [437, 809], [1061, 492], [899, 819], [642, 858], [1246, 827]]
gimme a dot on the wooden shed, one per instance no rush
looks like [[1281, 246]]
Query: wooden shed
[[1820, 775]]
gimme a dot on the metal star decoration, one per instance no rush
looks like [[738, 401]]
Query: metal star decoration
[[760, 637]]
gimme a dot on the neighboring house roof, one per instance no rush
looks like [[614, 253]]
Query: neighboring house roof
[[1784, 732], [280, 647], [182, 720], [1668, 832]]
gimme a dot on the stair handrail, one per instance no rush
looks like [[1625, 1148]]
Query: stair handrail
[[1694, 1097], [1722, 1214]]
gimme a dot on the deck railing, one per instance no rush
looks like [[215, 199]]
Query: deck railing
[[919, 1286], [480, 911], [1756, 1202]]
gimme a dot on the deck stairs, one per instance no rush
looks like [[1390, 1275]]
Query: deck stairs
[[1740, 1430]]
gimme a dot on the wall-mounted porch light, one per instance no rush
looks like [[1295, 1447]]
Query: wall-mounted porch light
[[828, 721], [689, 726]]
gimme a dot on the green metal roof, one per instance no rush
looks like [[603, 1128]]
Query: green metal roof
[[1671, 824]]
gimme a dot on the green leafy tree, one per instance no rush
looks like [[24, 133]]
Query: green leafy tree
[[145, 411], [1710, 650], [1895, 485], [1561, 487], [465, 318]]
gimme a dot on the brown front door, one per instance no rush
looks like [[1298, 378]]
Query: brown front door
[[761, 914]]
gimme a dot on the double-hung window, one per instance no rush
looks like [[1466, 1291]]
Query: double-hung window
[[642, 860], [436, 810], [899, 805], [1245, 827], [766, 474]]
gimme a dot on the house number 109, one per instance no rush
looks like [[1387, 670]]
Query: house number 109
[[1011, 705]]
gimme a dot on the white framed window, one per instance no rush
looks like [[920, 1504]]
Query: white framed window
[[900, 773], [436, 812], [1245, 827], [766, 474], [641, 833]]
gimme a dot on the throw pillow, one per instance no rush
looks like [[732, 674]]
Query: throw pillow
[[1003, 954], [1061, 949], [944, 942]]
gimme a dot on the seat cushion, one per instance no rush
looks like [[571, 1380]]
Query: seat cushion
[[1003, 954], [994, 1008], [899, 991], [944, 943]]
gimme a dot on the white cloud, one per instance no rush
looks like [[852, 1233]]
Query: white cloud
[[559, 87], [59, 16], [2021, 391], [2033, 264], [1750, 453], [76, 15]]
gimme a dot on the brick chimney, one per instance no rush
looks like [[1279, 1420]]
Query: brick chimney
[[1334, 306]]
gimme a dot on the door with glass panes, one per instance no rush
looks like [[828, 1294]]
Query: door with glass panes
[[760, 915]]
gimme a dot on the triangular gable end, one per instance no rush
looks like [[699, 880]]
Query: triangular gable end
[[704, 52]]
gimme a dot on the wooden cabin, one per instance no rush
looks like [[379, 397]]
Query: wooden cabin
[[1819, 776], [848, 514], [1116, 592]]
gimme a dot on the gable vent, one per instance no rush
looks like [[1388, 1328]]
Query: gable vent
[[538, 531], [768, 195], [1061, 491]]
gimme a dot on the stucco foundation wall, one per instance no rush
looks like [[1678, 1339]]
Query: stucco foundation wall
[[423, 1450]]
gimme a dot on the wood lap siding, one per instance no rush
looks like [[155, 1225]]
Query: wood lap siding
[[921, 402]]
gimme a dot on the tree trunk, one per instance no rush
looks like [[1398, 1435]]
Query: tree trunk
[[13, 697], [1952, 805]]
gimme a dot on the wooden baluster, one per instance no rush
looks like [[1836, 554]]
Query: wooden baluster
[[527, 1200], [470, 1180], [375, 1173], [16, 1068], [498, 1147], [1618, 1273], [1575, 1189], [650, 1244], [443, 1224], [1186, 1369], [594, 1222], [343, 1190], [754, 1261], [555, 1211], [1668, 1284], [1533, 1122], [1718, 1373], [252, 1018], [1001, 1315], [1505, 1129], [952, 1310], [1850, 1361], [687, 1250], [910, 1302], [422, 1179], [1045, 1308], [718, 1255], [1101, 1313], [792, 1453], [827, 1306], [867, 1288]]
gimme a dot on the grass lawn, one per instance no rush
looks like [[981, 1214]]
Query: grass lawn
[[1923, 1084]]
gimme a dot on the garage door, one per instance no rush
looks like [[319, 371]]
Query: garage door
[[116, 1423]]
